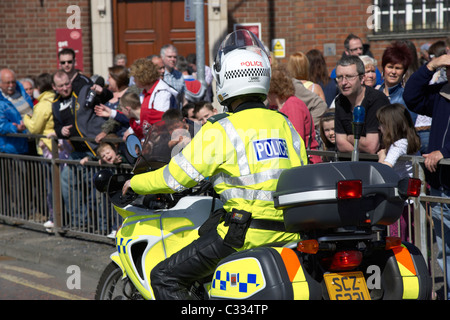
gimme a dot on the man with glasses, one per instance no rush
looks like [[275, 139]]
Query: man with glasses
[[354, 47], [11, 122], [349, 76], [13, 90], [67, 62]]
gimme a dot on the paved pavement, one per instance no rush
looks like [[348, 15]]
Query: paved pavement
[[60, 251], [91, 256]]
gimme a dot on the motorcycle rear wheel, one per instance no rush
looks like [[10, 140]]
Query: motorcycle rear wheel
[[111, 286]]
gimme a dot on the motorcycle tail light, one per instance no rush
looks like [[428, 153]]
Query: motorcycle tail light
[[345, 260], [349, 189], [308, 246], [414, 186]]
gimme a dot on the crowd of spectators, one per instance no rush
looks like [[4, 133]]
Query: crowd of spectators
[[319, 103]]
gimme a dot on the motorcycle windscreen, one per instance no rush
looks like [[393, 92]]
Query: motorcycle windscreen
[[156, 151]]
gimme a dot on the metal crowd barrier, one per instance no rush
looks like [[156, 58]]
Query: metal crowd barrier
[[31, 194]]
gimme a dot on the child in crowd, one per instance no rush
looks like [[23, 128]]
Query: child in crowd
[[130, 106], [399, 138], [203, 110], [327, 133], [108, 154]]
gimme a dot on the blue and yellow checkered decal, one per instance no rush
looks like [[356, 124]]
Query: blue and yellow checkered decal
[[121, 246], [237, 279], [233, 280]]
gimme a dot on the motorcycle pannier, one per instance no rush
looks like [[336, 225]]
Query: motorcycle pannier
[[263, 273], [308, 196]]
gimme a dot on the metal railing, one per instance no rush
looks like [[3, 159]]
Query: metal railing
[[32, 193]]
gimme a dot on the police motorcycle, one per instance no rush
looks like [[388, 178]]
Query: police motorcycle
[[341, 210]]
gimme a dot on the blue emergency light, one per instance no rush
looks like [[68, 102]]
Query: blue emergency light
[[359, 114]]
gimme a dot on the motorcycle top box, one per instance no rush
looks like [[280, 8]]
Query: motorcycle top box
[[338, 194]]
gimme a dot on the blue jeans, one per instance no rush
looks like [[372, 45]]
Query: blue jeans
[[72, 179], [424, 137], [440, 221]]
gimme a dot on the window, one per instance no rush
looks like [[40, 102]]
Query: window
[[392, 16]]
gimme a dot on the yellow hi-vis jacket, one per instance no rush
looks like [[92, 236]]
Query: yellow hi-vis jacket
[[244, 154]]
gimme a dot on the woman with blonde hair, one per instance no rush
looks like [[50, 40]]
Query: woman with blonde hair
[[157, 96], [298, 68], [318, 73], [282, 97]]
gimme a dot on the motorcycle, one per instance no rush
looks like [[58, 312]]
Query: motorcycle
[[341, 210]]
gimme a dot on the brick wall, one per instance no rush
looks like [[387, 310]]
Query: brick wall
[[27, 37], [28, 44]]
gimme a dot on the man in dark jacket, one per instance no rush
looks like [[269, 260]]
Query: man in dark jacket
[[74, 118], [434, 101], [71, 115]]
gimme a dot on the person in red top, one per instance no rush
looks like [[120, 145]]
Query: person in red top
[[282, 98], [157, 96]]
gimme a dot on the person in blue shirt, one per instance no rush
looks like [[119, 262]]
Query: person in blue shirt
[[395, 62], [13, 90], [11, 122]]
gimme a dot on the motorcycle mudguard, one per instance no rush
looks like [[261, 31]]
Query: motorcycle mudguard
[[263, 273], [115, 257], [405, 275]]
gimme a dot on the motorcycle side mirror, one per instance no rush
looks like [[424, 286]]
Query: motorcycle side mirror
[[134, 146], [101, 179]]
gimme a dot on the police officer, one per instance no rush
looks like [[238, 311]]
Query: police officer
[[244, 153]]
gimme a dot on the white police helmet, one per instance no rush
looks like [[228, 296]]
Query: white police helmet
[[241, 67]]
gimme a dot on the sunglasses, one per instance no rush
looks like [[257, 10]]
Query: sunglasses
[[64, 62]]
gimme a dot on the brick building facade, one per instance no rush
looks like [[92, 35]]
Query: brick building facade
[[27, 40], [28, 45]]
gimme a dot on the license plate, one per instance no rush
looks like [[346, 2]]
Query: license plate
[[346, 286]]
